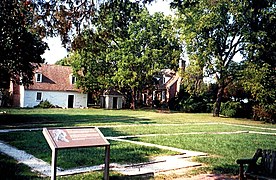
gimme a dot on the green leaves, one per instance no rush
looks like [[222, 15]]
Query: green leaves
[[125, 49], [20, 48], [216, 31], [148, 49]]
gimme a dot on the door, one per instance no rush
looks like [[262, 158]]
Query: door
[[70, 101], [115, 102]]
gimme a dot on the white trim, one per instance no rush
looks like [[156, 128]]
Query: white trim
[[38, 77], [72, 79]]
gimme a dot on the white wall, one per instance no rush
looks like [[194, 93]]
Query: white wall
[[22, 96], [54, 97], [109, 101]]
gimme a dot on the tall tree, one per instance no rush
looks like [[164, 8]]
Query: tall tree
[[125, 47], [215, 31], [260, 67], [151, 45], [92, 47], [91, 61]]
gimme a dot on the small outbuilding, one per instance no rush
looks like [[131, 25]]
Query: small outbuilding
[[112, 99]]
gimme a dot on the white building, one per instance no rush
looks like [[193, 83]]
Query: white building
[[53, 83], [112, 99]]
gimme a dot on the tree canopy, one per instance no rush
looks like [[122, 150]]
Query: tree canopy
[[152, 45], [125, 51], [216, 31], [20, 49]]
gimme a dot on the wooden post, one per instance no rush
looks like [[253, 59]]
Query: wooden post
[[241, 172], [106, 167], [54, 164]]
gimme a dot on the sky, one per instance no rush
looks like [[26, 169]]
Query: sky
[[57, 52]]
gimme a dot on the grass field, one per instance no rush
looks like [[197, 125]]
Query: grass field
[[199, 132]]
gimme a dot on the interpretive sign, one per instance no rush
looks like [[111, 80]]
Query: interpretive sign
[[65, 138]]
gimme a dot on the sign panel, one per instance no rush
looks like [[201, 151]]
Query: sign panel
[[74, 137], [64, 138]]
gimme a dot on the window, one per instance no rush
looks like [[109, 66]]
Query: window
[[39, 96], [38, 77], [72, 79]]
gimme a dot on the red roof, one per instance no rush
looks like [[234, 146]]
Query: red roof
[[54, 78]]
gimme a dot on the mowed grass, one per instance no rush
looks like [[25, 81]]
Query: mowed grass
[[34, 143], [170, 129], [223, 149], [20, 118]]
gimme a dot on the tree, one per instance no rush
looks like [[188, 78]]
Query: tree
[[215, 31], [91, 61], [20, 49], [260, 66], [193, 78], [260, 81], [66, 61], [68, 18], [150, 46], [91, 48], [125, 48]]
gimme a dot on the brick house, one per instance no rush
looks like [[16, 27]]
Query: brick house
[[167, 86], [54, 83]]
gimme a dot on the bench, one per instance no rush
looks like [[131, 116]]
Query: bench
[[261, 166]]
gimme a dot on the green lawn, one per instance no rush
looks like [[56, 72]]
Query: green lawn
[[223, 149]]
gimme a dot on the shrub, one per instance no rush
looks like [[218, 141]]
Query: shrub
[[209, 107], [44, 104], [266, 114], [231, 109], [193, 105]]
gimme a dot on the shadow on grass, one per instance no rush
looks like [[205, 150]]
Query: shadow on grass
[[10, 169], [61, 120], [226, 169]]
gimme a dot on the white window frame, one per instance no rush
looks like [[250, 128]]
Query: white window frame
[[37, 96], [38, 77], [73, 79]]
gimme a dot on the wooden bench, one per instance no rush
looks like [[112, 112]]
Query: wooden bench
[[261, 166]]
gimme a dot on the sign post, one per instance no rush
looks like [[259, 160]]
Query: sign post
[[65, 138]]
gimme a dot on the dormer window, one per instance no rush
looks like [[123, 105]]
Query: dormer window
[[38, 77], [73, 79]]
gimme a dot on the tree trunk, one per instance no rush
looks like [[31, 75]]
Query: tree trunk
[[133, 104], [216, 110]]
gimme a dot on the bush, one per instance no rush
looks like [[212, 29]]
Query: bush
[[44, 104], [209, 107], [193, 105], [267, 114], [231, 109]]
